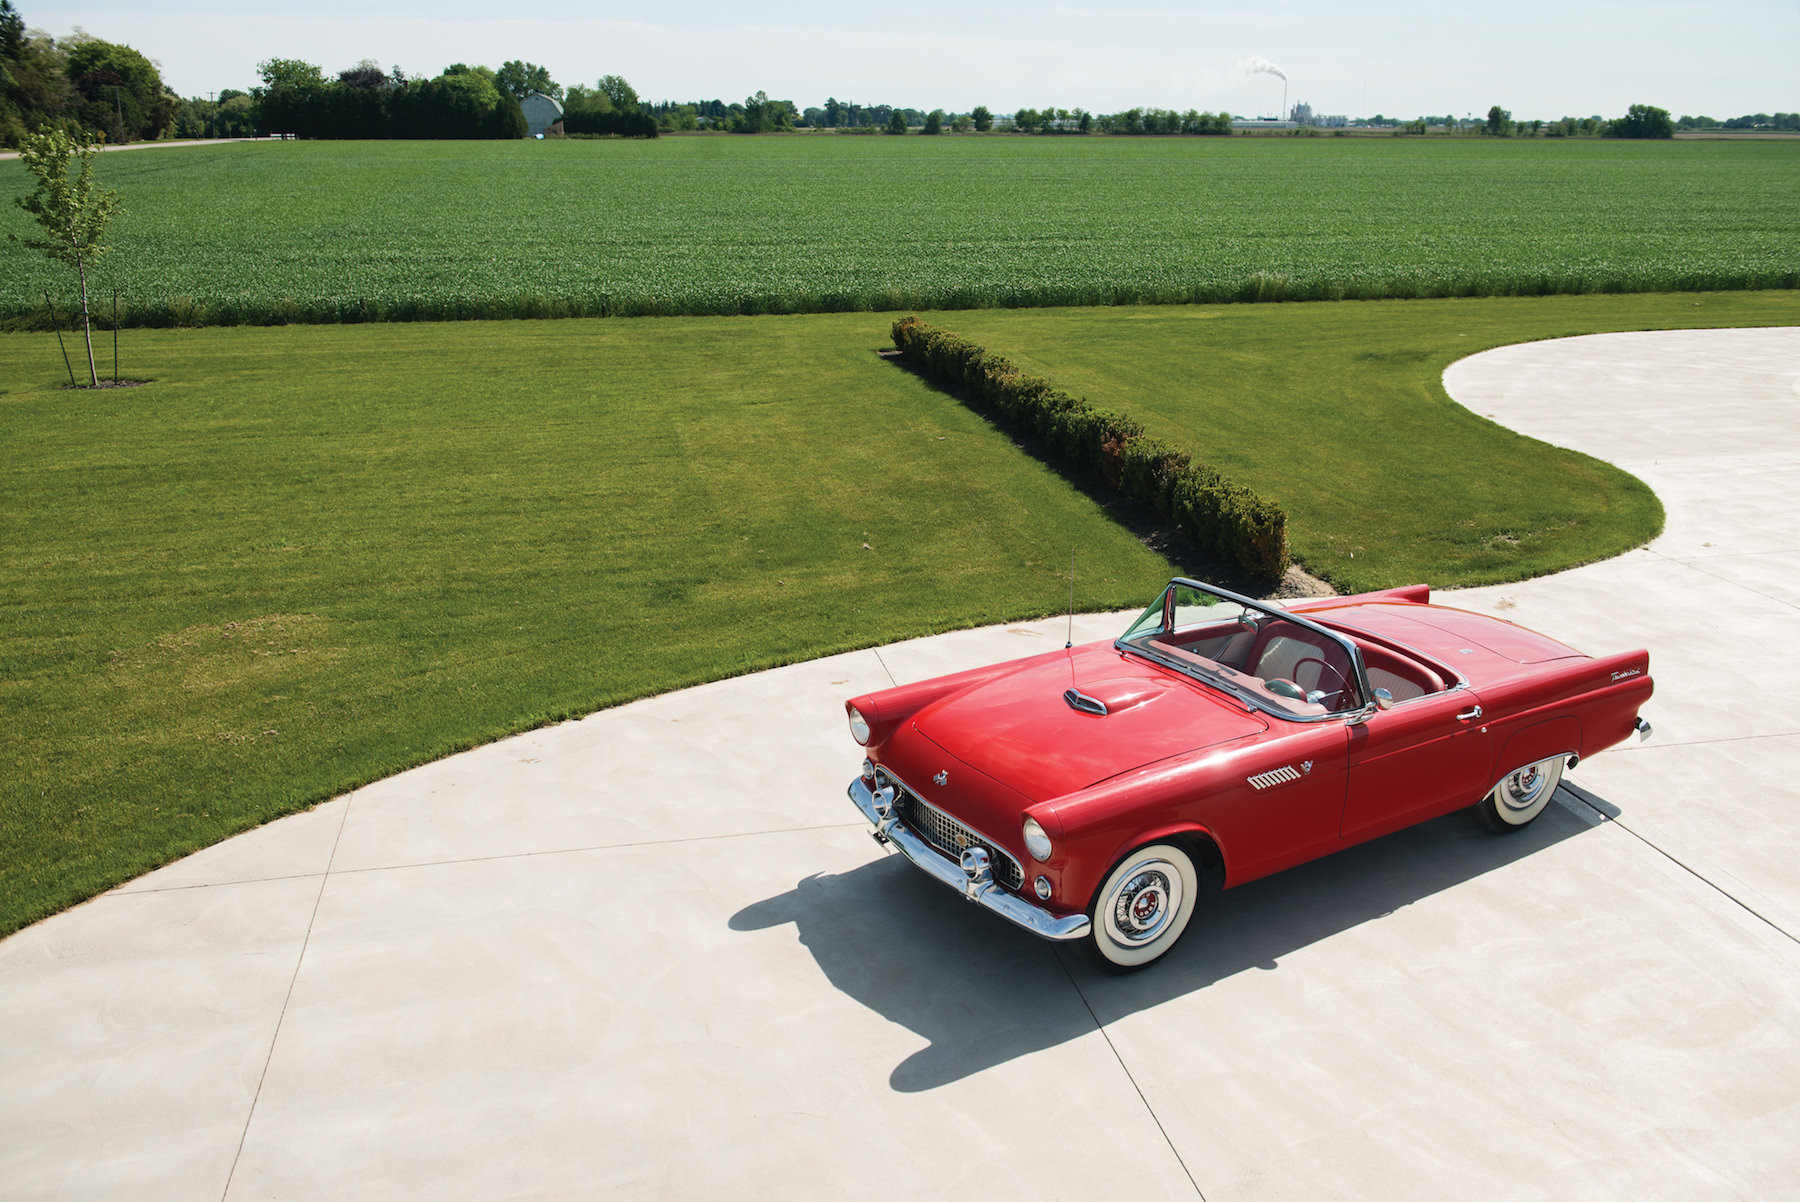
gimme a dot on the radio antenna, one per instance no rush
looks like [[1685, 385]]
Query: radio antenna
[[1071, 641]]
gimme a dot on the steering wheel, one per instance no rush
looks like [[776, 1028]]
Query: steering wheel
[[1343, 682]]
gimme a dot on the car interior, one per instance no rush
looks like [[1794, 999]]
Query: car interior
[[1305, 671]]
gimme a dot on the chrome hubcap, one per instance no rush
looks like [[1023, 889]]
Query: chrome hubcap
[[1523, 788], [1146, 901]]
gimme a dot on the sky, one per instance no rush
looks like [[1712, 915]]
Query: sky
[[1534, 58]]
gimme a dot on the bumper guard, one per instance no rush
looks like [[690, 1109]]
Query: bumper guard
[[972, 878]]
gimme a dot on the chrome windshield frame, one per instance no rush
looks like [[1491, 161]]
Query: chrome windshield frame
[[1166, 607]]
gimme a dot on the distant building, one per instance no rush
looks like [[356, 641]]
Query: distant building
[[541, 112], [1301, 114]]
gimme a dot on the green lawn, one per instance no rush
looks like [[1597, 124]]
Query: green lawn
[[330, 231], [1338, 413], [305, 558], [308, 557]]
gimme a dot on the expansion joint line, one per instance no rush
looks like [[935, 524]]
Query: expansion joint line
[[275, 1036], [1123, 1067], [1611, 820], [1694, 564]]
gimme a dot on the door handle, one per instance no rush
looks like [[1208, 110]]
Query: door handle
[[1469, 715]]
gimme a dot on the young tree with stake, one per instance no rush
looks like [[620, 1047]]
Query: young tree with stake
[[73, 211]]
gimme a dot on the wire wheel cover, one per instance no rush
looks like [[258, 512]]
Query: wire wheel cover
[[1143, 905]]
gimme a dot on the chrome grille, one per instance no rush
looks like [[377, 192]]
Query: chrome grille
[[950, 837]]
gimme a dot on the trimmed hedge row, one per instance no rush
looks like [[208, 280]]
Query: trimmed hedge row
[[1227, 519]]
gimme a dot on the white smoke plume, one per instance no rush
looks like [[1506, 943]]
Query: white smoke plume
[[1256, 64]]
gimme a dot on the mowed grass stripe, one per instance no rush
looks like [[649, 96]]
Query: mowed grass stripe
[[352, 231]]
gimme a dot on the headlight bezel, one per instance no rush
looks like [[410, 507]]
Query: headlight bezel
[[1037, 842]]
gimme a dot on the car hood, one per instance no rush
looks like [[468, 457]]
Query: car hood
[[1020, 731]]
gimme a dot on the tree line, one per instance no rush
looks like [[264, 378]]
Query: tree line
[[77, 83], [92, 88], [1776, 123], [1639, 121], [367, 102]]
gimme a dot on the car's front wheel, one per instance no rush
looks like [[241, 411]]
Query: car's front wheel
[[1143, 907], [1521, 795]]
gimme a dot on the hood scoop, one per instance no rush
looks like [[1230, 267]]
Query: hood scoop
[[1081, 702]]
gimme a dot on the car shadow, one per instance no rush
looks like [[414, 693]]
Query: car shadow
[[981, 992]]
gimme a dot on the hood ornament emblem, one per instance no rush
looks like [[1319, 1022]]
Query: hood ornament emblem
[[1306, 767], [941, 779]]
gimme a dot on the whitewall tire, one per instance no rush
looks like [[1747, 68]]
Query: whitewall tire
[[1522, 795], [1143, 907]]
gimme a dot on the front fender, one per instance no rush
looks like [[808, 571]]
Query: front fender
[[885, 709], [1095, 828]]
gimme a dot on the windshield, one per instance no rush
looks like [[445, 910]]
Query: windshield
[[1275, 661]]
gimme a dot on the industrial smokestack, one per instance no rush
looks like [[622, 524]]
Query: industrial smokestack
[[1256, 64]]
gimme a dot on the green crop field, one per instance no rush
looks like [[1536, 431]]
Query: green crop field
[[346, 231]]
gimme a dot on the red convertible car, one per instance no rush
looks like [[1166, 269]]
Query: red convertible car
[[1094, 793]]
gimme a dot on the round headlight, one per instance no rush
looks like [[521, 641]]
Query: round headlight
[[859, 726], [1036, 841]]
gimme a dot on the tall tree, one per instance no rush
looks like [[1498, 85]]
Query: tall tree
[[72, 211], [122, 90], [366, 75], [623, 96], [519, 80], [287, 102]]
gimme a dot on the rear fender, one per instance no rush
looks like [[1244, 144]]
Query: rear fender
[[1540, 741], [1621, 685], [1599, 697]]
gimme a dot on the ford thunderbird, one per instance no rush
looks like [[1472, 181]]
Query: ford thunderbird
[[1095, 794]]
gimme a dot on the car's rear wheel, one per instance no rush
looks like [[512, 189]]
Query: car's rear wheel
[[1521, 795], [1143, 907]]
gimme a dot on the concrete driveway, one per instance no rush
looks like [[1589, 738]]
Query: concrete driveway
[[653, 954]]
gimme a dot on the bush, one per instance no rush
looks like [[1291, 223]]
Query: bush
[[1226, 519], [1642, 121], [635, 123]]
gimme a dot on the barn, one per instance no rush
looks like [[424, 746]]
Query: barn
[[541, 112]]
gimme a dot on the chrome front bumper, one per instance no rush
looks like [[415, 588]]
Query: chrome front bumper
[[974, 882]]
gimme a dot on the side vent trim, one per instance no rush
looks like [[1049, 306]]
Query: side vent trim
[[1279, 776]]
